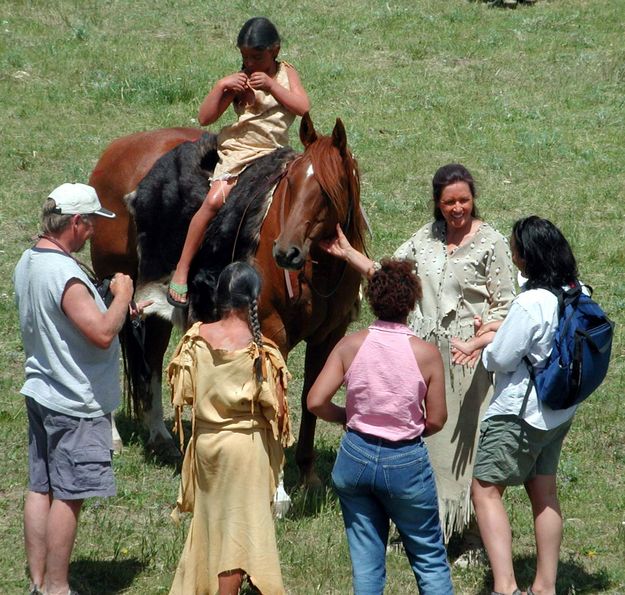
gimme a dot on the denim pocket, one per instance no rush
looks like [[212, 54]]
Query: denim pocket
[[347, 471], [406, 479]]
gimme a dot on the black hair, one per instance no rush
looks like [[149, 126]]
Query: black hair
[[393, 290], [548, 258], [238, 288], [450, 174], [258, 33]]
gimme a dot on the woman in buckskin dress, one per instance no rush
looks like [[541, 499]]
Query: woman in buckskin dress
[[234, 381], [466, 272]]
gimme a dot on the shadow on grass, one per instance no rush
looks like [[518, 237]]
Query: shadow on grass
[[572, 577], [103, 577], [309, 501], [165, 454], [324, 461]]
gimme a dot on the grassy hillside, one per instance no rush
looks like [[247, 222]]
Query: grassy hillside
[[531, 100]]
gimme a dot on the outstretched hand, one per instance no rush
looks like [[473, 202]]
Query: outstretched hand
[[338, 246], [136, 308]]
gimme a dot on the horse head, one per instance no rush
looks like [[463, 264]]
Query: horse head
[[320, 189]]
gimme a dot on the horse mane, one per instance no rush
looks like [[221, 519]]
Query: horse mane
[[339, 176], [165, 201], [234, 233]]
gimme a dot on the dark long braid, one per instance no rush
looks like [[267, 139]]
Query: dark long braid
[[238, 287], [258, 338]]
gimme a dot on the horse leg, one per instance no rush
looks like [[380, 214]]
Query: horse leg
[[118, 444], [304, 454], [160, 441], [316, 356]]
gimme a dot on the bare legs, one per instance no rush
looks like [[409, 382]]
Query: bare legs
[[492, 519], [494, 525], [230, 582], [49, 533], [36, 510], [214, 200], [543, 494]]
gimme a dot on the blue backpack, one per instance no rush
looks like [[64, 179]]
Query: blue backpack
[[580, 352]]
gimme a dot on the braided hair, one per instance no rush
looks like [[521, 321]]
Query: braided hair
[[238, 288]]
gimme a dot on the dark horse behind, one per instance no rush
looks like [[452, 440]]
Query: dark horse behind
[[280, 230]]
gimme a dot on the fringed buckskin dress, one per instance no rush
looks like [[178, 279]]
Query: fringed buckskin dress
[[231, 464], [475, 279]]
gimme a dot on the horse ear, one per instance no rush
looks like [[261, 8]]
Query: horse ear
[[339, 137], [307, 132]]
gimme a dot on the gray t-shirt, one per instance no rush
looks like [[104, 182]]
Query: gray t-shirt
[[64, 371]]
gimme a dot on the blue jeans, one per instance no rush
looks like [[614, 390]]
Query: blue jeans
[[378, 481]]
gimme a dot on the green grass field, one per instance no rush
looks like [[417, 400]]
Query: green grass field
[[531, 100]]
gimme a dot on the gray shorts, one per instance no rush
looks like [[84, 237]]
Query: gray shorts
[[69, 457], [511, 452]]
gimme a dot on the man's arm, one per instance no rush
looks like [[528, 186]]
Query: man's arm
[[99, 328]]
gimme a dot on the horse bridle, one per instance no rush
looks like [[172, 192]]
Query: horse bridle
[[302, 275]]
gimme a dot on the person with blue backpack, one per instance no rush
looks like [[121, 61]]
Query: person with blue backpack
[[521, 435]]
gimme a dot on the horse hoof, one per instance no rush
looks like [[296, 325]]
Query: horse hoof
[[118, 446], [310, 480], [165, 451]]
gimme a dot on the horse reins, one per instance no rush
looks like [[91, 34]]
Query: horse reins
[[272, 182]]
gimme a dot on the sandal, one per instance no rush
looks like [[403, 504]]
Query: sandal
[[515, 592], [180, 289]]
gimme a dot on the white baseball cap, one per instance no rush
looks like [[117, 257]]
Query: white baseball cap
[[78, 199]]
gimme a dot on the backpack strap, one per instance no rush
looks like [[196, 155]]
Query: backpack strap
[[565, 297], [530, 384]]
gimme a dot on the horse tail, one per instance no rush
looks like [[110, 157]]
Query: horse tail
[[137, 372]]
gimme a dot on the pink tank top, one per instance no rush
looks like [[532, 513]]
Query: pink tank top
[[385, 388]]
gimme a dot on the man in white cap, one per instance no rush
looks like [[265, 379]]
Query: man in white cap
[[72, 381]]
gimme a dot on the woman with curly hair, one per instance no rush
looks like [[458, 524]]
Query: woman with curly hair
[[395, 395]]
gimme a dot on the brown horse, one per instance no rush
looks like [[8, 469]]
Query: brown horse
[[319, 189]]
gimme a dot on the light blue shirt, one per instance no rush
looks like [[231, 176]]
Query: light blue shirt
[[65, 372], [527, 330]]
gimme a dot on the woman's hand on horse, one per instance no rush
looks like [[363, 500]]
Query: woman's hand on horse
[[337, 246], [340, 247]]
